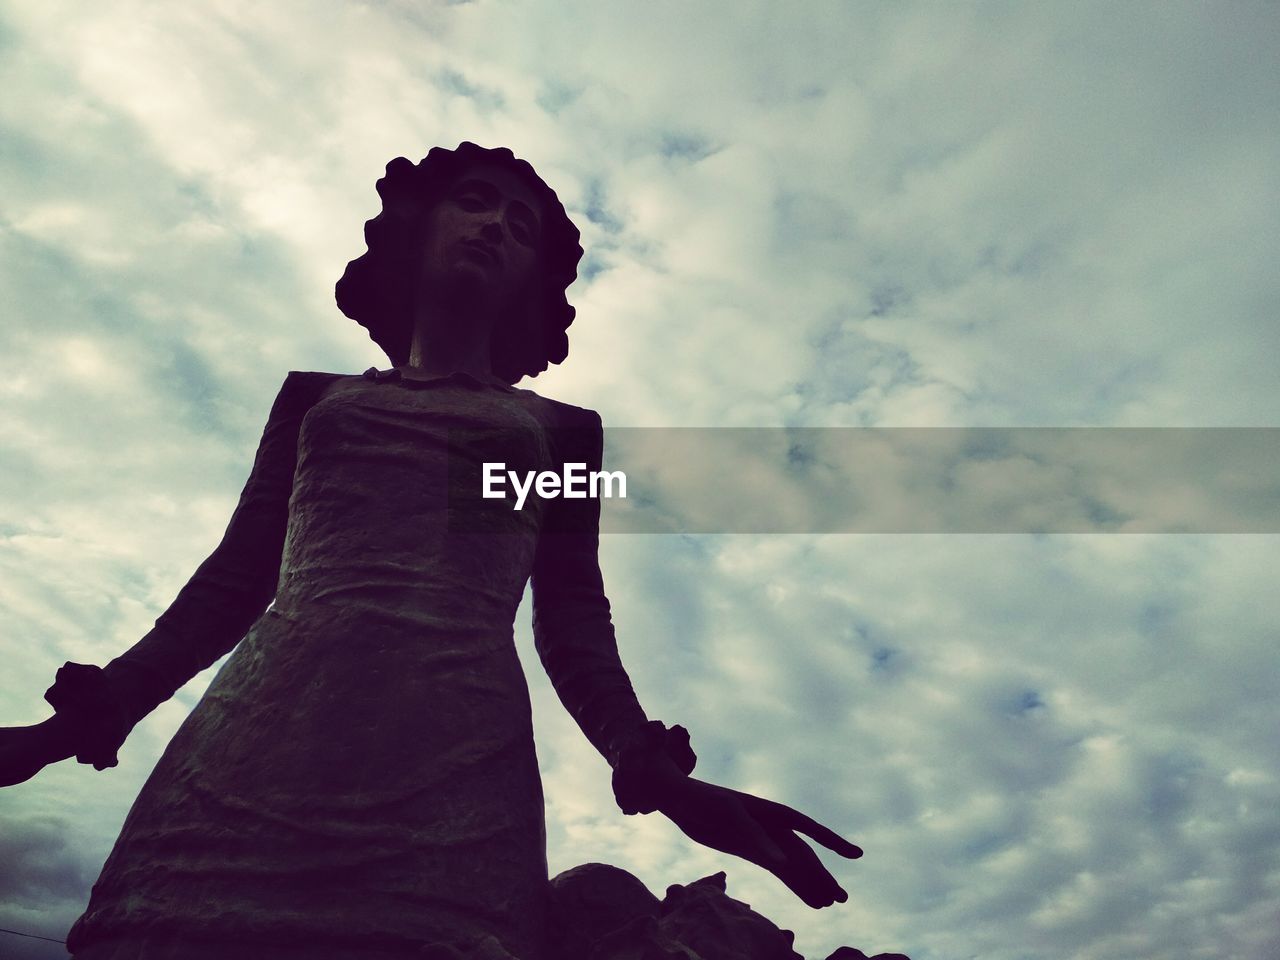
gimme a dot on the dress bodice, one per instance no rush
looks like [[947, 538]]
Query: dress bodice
[[383, 502]]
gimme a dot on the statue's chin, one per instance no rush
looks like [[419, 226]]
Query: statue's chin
[[467, 287]]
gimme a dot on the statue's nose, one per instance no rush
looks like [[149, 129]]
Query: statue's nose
[[492, 232]]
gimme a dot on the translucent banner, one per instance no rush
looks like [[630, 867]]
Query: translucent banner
[[885, 480]]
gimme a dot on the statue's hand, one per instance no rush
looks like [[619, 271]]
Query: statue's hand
[[25, 751], [761, 831]]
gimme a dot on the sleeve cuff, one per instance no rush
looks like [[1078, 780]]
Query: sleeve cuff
[[80, 693], [634, 786]]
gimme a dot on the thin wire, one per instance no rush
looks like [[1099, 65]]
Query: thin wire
[[33, 936]]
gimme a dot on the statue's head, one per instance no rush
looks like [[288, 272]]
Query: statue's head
[[476, 227]]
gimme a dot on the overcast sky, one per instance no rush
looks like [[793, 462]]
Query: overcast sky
[[846, 214]]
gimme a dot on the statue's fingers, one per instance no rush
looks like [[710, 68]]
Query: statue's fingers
[[793, 819], [828, 838], [808, 878]]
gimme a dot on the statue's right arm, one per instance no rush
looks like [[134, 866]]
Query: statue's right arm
[[97, 708]]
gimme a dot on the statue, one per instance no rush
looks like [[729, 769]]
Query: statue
[[360, 779]]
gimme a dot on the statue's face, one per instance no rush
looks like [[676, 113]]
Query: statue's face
[[482, 239]]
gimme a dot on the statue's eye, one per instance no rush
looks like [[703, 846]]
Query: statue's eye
[[520, 230], [470, 201], [523, 224]]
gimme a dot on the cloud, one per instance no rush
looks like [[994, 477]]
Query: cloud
[[41, 868], [42, 885]]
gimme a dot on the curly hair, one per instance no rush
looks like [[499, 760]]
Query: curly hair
[[377, 290]]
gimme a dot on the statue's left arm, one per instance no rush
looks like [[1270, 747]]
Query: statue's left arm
[[573, 633]]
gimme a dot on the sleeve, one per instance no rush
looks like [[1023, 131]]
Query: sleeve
[[574, 636], [212, 613]]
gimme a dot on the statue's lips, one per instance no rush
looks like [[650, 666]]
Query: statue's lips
[[480, 252]]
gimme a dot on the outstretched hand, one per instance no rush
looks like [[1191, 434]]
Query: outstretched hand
[[25, 751], [761, 831]]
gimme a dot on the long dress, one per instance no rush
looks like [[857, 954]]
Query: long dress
[[360, 778]]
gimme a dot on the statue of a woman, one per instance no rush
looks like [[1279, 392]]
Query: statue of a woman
[[359, 781]]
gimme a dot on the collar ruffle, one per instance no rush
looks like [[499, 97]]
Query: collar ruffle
[[459, 376]]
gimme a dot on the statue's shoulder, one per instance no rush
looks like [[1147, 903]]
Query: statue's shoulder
[[302, 389], [308, 386], [557, 413], [576, 434]]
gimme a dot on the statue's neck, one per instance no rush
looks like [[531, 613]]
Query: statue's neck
[[445, 343]]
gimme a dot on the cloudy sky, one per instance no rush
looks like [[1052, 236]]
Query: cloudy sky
[[840, 215]]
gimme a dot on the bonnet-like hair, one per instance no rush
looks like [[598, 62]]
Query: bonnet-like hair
[[377, 290]]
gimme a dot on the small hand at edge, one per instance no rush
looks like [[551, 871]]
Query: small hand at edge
[[25, 751]]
